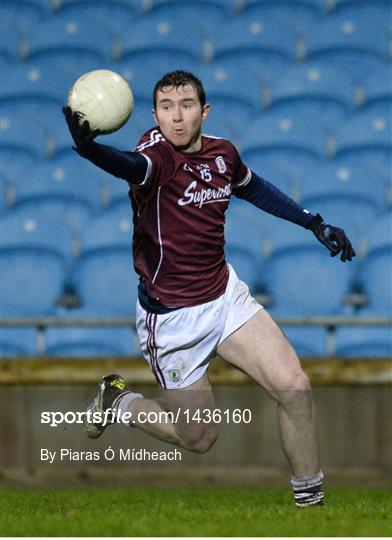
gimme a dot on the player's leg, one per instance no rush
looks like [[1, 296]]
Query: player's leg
[[184, 425], [261, 350], [174, 418]]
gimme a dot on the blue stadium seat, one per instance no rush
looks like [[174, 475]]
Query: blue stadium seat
[[319, 91], [221, 85], [141, 76], [293, 141], [32, 280], [296, 15], [242, 230], [301, 277], [275, 175], [63, 33], [340, 33], [245, 266], [74, 216], [369, 133], [378, 12], [352, 179], [16, 165], [113, 228], [380, 234], [81, 341], [69, 178], [264, 65], [11, 45], [253, 34], [28, 81], [307, 341], [206, 16], [115, 16], [21, 129], [359, 67], [166, 37], [30, 229], [16, 342], [106, 282], [218, 126], [20, 17], [378, 88], [376, 280], [364, 341], [149, 7]]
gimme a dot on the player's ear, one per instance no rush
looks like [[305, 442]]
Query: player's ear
[[206, 110], [154, 116]]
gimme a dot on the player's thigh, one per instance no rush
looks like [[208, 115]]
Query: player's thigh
[[190, 406], [260, 349]]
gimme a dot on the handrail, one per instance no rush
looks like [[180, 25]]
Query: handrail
[[113, 322]]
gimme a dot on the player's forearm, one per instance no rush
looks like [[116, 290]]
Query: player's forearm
[[130, 166], [269, 198]]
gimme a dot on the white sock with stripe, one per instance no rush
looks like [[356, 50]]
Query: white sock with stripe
[[122, 403], [308, 490]]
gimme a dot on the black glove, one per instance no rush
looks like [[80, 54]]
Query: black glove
[[81, 133], [332, 238]]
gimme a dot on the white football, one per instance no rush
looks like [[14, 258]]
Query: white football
[[103, 98]]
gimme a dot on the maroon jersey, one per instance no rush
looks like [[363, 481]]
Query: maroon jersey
[[178, 242]]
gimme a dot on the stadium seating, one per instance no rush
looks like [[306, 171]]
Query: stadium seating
[[28, 81], [253, 34], [67, 33], [115, 16], [82, 341], [340, 33], [206, 16], [220, 86], [20, 17], [30, 229], [245, 265], [307, 341], [380, 233], [301, 277], [163, 36], [353, 179], [106, 282], [355, 207], [34, 279], [296, 16], [377, 12], [364, 341], [377, 88], [291, 142], [314, 90], [69, 178], [376, 279], [112, 228], [18, 342], [21, 129]]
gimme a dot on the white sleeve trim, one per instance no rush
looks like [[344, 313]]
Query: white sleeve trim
[[245, 180], [148, 171]]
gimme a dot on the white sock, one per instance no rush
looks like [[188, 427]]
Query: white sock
[[308, 490], [122, 403]]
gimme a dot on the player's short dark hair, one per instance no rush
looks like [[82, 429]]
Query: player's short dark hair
[[180, 78]]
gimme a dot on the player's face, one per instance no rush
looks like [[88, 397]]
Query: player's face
[[179, 114]]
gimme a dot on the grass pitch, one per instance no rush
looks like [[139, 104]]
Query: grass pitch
[[208, 512]]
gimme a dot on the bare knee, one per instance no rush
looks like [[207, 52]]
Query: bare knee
[[199, 439]]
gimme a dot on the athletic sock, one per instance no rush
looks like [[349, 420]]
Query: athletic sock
[[308, 490], [122, 403]]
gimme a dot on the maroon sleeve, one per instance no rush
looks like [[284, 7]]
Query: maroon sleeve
[[160, 157], [241, 174]]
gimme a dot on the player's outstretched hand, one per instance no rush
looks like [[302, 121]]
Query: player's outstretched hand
[[332, 238], [81, 133]]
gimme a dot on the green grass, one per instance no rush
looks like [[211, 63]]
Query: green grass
[[209, 512]]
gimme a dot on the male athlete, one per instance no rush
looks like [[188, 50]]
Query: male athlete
[[191, 304]]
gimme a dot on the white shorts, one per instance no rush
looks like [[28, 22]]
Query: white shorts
[[179, 345]]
